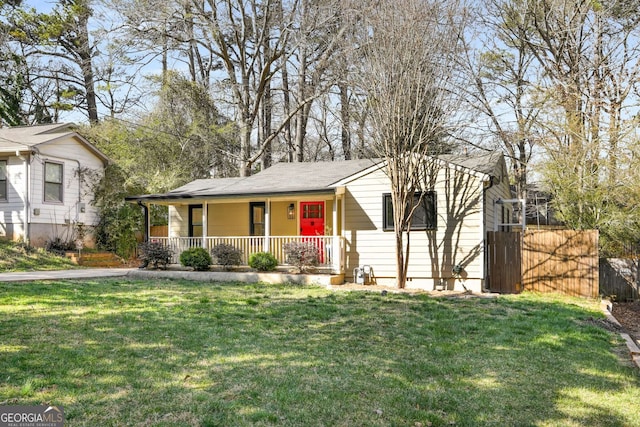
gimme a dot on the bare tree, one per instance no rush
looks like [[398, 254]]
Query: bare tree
[[237, 33], [409, 77], [61, 38], [318, 37], [590, 58], [502, 68]]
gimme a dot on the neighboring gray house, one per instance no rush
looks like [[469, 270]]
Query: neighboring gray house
[[345, 209], [44, 188]]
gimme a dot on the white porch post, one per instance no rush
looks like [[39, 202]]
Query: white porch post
[[169, 212], [147, 222], [205, 209], [267, 225], [336, 254]]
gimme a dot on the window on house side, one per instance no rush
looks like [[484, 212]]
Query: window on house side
[[3, 180], [424, 217], [53, 182]]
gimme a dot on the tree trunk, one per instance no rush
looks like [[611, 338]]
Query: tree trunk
[[287, 110], [345, 120], [245, 149], [401, 272], [301, 120], [86, 65]]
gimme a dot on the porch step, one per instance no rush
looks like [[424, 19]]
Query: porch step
[[99, 259]]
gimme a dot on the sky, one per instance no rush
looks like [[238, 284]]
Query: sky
[[75, 116]]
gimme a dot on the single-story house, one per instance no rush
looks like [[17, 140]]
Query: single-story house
[[345, 208], [45, 184]]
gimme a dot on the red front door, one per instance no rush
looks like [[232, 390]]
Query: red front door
[[312, 219]]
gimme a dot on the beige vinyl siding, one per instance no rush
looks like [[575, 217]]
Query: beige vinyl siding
[[232, 219], [457, 239], [178, 221], [228, 219], [499, 191], [223, 219], [280, 224]]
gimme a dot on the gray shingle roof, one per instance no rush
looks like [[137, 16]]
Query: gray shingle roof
[[480, 162], [281, 178], [300, 177], [292, 178]]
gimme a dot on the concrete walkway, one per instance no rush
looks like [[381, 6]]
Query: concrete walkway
[[87, 273], [136, 273]]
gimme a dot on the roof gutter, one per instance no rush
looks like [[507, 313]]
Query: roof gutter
[[187, 196]]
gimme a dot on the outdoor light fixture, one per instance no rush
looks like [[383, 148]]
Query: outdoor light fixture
[[291, 212]]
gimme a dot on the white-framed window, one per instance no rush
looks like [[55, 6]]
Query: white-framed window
[[424, 217], [53, 178]]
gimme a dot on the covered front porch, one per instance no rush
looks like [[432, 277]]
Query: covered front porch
[[331, 248], [257, 224]]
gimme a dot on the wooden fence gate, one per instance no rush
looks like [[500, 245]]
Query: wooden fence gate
[[564, 261], [504, 262]]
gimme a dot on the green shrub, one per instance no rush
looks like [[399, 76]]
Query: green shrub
[[156, 254], [227, 255], [198, 258], [263, 261], [303, 255], [116, 229]]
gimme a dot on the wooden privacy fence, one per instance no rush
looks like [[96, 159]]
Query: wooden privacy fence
[[564, 261], [159, 231]]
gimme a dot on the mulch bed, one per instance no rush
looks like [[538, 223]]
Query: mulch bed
[[628, 314]]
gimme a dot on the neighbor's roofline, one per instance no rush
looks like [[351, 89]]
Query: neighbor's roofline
[[55, 137]]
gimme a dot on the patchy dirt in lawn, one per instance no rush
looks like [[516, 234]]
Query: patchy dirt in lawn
[[628, 314]]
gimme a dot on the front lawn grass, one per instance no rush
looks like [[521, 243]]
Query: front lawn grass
[[118, 352], [20, 257]]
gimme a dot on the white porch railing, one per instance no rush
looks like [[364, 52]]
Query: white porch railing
[[331, 248]]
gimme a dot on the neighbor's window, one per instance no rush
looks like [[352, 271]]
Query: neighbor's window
[[424, 217], [52, 182], [3, 180]]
